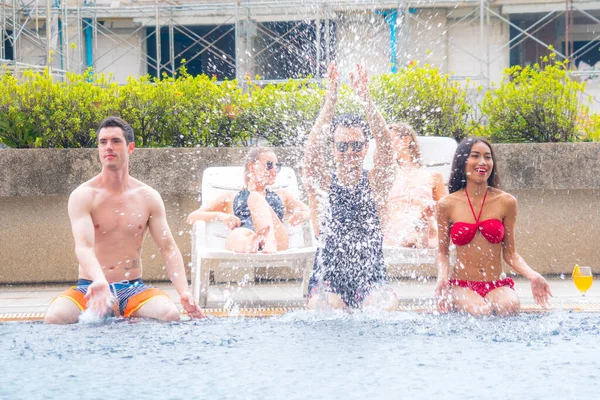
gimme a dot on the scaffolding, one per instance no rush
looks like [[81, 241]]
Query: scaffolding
[[63, 35]]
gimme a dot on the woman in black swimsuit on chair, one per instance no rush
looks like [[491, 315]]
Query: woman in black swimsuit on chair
[[255, 213]]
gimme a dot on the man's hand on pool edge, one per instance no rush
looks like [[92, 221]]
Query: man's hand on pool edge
[[192, 309]]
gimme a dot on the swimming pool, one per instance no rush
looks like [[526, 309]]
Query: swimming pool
[[303, 355]]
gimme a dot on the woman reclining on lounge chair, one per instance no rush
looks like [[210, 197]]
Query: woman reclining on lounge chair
[[410, 218], [255, 213]]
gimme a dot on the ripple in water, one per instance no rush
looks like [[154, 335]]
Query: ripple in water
[[307, 354]]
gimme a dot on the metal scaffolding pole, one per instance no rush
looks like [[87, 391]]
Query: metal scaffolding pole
[[79, 42], [171, 44], [317, 72], [2, 32], [482, 45], [569, 32], [238, 72], [66, 35], [95, 38], [48, 36], [157, 36], [14, 31]]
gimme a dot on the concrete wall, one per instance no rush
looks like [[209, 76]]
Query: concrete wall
[[557, 186]]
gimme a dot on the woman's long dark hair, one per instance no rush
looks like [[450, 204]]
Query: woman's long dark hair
[[458, 178]]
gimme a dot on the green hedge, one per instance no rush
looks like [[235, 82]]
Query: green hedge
[[537, 103], [428, 100]]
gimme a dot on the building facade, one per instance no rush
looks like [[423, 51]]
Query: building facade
[[270, 40]]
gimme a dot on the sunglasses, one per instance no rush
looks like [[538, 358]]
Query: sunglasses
[[356, 146], [270, 165]]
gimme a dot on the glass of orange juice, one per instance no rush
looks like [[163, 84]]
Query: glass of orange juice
[[582, 278]]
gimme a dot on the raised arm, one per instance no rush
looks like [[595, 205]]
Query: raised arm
[[159, 229], [383, 172], [79, 208], [539, 285], [315, 173], [443, 257]]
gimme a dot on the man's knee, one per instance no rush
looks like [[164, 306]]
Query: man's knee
[[170, 314], [61, 313], [160, 308]]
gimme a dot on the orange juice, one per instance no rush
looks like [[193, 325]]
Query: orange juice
[[583, 283]]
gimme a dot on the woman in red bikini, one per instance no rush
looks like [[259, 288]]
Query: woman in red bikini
[[480, 219]]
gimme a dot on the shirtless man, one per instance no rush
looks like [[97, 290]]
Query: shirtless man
[[110, 215], [348, 202]]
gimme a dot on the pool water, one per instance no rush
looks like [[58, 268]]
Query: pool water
[[304, 355]]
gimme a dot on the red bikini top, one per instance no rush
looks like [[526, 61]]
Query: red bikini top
[[463, 232]]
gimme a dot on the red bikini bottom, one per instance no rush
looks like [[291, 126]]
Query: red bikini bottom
[[482, 288]]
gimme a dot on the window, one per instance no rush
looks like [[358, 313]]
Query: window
[[207, 50], [587, 52], [289, 49], [8, 48]]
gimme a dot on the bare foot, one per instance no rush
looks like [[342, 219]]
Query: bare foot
[[258, 240], [410, 244]]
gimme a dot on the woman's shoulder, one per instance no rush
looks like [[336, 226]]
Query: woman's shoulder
[[505, 200], [451, 199], [503, 196]]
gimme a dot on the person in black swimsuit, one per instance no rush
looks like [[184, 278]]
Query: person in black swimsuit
[[346, 203], [255, 213]]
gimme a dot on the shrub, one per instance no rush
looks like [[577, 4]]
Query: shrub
[[538, 103], [40, 112], [284, 113], [426, 99], [589, 126], [16, 128]]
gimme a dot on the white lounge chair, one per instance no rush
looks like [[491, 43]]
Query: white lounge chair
[[208, 239], [437, 154]]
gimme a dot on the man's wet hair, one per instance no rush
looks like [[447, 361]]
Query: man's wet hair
[[350, 121], [119, 123]]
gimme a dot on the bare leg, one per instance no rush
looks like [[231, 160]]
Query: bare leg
[[504, 301], [243, 240], [466, 300], [325, 301], [263, 216], [160, 308], [62, 311], [381, 299]]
